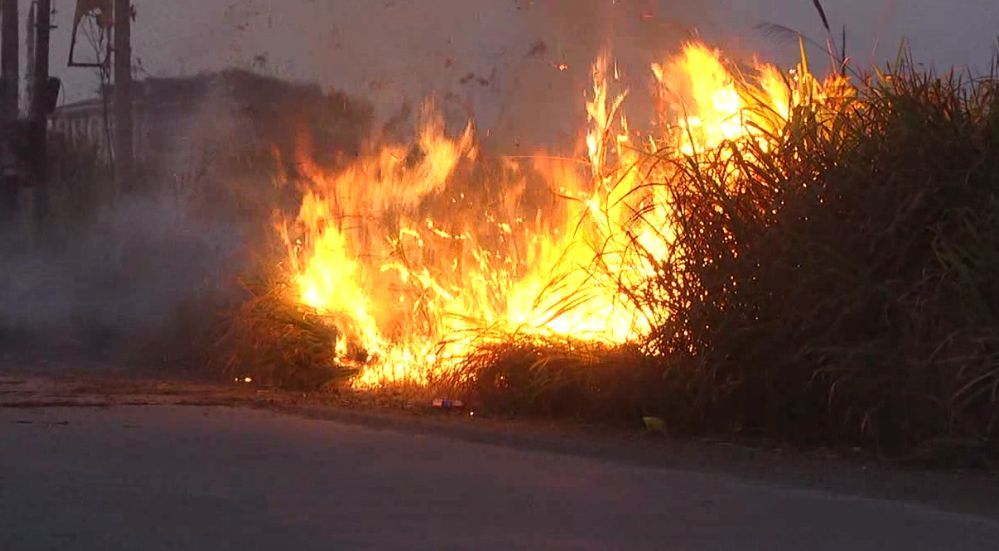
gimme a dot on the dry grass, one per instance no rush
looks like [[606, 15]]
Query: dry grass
[[842, 289], [275, 341], [838, 285], [560, 377]]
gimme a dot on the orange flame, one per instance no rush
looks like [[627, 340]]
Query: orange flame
[[414, 253]]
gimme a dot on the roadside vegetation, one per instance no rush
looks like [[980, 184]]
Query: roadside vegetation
[[836, 284], [831, 280]]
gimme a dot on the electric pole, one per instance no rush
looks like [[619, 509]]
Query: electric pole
[[9, 83], [123, 102], [40, 80], [9, 59], [29, 42], [42, 102]]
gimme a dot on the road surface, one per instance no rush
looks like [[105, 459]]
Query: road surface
[[205, 477]]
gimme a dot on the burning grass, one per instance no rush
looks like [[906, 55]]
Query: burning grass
[[810, 261], [839, 286], [273, 340]]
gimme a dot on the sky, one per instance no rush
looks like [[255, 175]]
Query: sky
[[497, 58]]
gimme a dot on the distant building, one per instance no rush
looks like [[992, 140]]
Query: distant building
[[166, 110], [161, 106]]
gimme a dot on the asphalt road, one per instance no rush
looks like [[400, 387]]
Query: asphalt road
[[176, 477]]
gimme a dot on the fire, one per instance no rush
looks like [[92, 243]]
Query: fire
[[709, 108], [708, 105], [418, 254]]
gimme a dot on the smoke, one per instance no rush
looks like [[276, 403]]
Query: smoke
[[543, 100], [397, 51], [147, 276], [123, 279]]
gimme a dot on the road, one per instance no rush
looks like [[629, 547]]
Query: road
[[206, 477]]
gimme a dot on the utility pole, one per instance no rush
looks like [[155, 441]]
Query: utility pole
[[42, 102], [29, 43], [9, 59], [40, 81], [9, 83], [124, 148]]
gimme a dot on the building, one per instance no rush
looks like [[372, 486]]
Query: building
[[169, 114]]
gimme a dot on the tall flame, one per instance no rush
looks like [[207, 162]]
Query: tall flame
[[416, 254]]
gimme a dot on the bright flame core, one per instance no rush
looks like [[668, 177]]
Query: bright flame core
[[417, 254]]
